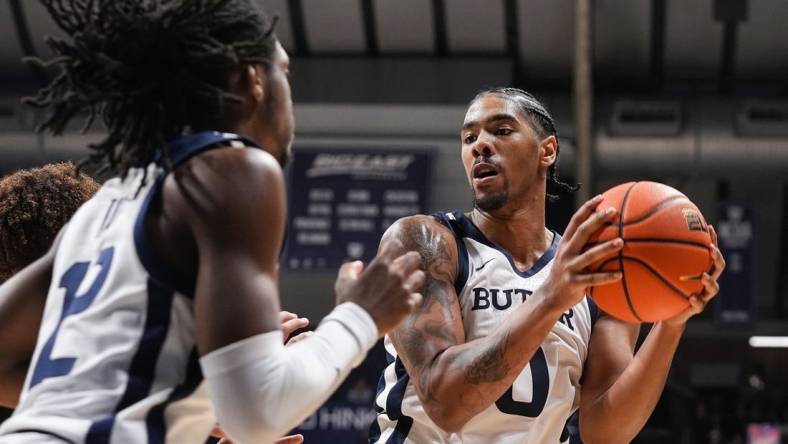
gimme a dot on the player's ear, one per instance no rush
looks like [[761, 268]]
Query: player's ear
[[255, 79], [248, 81], [548, 151]]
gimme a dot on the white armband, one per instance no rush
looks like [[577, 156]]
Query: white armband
[[261, 389]]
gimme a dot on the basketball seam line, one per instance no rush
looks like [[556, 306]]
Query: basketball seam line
[[667, 241], [621, 253], [657, 241], [653, 270], [654, 209], [658, 275]]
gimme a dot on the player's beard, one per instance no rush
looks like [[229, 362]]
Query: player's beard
[[492, 202]]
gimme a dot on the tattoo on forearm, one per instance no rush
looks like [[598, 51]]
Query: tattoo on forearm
[[491, 364], [420, 344], [423, 342]]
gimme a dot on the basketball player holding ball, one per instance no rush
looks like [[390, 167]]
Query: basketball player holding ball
[[159, 297], [506, 345]]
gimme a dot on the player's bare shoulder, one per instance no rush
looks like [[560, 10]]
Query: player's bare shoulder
[[433, 240], [227, 183]]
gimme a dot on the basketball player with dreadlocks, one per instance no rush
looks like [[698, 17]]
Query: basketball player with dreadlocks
[[506, 346], [35, 204], [159, 298]]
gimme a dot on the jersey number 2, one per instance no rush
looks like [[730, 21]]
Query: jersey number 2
[[540, 384], [48, 367]]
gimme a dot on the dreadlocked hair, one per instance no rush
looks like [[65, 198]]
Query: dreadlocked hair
[[541, 121], [151, 70]]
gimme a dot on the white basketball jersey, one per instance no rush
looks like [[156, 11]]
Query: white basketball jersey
[[536, 408], [115, 360]]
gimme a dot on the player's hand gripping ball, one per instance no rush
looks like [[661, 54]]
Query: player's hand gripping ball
[[665, 252]]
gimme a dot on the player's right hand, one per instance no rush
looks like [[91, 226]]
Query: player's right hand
[[569, 277], [389, 287]]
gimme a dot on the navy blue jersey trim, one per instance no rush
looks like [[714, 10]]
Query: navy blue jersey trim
[[180, 151], [571, 431], [186, 147], [462, 252], [154, 421], [593, 311], [374, 431], [157, 268], [472, 231], [390, 359], [143, 365], [374, 428], [381, 386], [394, 405], [565, 432], [393, 408]]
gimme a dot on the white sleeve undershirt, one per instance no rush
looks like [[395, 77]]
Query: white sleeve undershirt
[[261, 389]]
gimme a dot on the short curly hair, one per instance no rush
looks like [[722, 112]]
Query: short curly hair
[[34, 206]]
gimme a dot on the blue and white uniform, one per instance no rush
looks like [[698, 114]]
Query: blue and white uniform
[[116, 360], [545, 394]]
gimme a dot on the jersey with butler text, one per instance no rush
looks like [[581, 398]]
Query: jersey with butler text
[[536, 408], [116, 361]]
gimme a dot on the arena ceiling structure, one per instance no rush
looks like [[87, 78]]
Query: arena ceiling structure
[[695, 78], [639, 44], [693, 90]]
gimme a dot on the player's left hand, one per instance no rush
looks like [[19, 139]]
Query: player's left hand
[[290, 439], [710, 286], [298, 338], [290, 323]]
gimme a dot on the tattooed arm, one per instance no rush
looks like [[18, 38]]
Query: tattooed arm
[[455, 379]]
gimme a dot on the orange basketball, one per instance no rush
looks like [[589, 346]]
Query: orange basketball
[[666, 249]]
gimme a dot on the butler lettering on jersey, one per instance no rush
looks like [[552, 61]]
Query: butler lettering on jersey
[[498, 298], [566, 319], [502, 299]]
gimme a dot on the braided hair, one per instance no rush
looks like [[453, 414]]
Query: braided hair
[[541, 121], [151, 70]]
